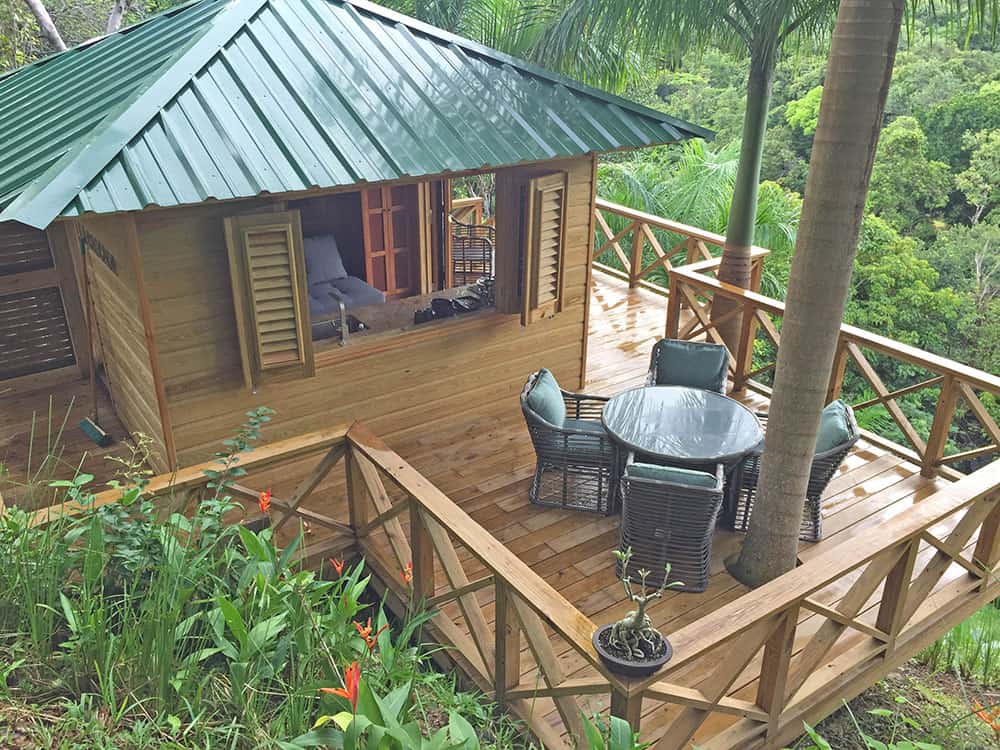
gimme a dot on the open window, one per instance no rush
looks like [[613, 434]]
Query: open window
[[269, 293], [380, 259]]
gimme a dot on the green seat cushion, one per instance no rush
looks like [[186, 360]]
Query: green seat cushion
[[546, 400], [671, 474], [693, 364], [834, 426], [587, 425]]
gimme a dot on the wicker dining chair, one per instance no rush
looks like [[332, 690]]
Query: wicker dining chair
[[695, 364], [668, 516], [838, 432], [576, 459]]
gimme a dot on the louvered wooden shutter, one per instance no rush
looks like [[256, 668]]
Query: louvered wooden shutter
[[543, 262], [269, 292]]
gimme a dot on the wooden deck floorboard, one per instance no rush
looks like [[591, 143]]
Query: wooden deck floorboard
[[481, 457]]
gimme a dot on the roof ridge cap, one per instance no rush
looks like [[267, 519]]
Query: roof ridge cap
[[49, 193], [538, 71]]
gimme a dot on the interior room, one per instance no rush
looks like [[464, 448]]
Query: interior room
[[392, 257]]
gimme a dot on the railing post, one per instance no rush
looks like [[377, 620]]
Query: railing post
[[507, 645], [692, 251], [356, 505], [987, 552], [938, 437], [744, 352], [837, 373], [756, 272], [673, 308], [892, 607], [774, 669], [638, 241], [628, 707], [422, 550]]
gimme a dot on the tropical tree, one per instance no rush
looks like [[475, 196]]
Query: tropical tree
[[850, 117], [756, 28]]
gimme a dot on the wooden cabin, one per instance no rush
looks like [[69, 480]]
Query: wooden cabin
[[261, 192]]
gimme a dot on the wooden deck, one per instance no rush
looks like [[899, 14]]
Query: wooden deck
[[489, 472], [481, 458]]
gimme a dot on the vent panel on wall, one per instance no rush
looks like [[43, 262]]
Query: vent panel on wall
[[34, 336]]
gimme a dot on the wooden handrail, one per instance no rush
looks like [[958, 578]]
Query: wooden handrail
[[958, 382], [194, 477], [834, 563], [639, 225], [503, 564], [694, 276]]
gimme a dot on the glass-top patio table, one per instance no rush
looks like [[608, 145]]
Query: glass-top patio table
[[682, 426]]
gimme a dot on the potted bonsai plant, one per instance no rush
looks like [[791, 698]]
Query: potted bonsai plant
[[632, 647]]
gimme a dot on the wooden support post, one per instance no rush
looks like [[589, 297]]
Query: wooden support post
[[892, 608], [628, 707], [837, 373], [756, 272], [422, 549], [673, 309], [357, 504], [744, 353], [938, 438], [508, 644], [638, 242], [987, 552], [773, 682]]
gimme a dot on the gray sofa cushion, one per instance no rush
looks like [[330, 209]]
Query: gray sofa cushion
[[546, 400], [323, 261], [694, 364], [357, 293], [673, 474], [834, 426]]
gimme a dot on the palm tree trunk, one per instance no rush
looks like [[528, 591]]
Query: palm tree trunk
[[850, 118], [49, 30], [735, 268]]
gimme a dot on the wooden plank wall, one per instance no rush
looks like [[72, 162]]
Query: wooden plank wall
[[120, 336], [399, 384]]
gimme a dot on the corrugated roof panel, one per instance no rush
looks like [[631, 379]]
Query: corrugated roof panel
[[233, 98], [48, 107]]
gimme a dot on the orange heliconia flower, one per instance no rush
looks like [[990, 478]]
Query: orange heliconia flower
[[407, 574], [352, 679], [990, 716], [338, 565], [365, 631], [264, 501]]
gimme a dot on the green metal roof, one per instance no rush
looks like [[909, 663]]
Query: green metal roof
[[221, 99]]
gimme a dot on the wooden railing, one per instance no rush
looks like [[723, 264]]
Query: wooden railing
[[786, 652], [949, 383], [469, 210], [638, 231]]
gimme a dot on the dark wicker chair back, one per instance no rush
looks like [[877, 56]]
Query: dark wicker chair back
[[576, 461], [695, 364], [666, 522], [824, 466]]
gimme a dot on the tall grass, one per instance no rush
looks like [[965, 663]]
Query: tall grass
[[164, 616], [972, 649]]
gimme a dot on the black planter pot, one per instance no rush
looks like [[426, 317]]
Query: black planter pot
[[627, 667]]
